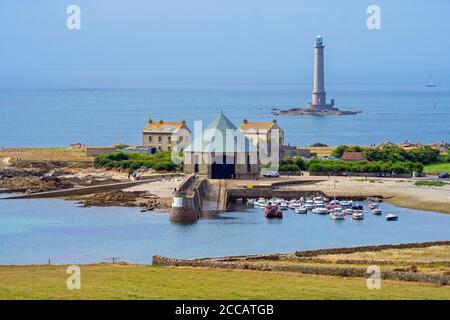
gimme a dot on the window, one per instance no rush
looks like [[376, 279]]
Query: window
[[159, 139], [169, 139], [150, 138]]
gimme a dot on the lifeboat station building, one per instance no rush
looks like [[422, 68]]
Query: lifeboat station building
[[221, 151]]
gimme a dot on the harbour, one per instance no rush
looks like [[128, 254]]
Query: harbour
[[38, 230]]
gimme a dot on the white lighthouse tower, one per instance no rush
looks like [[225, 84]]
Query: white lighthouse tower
[[319, 96]]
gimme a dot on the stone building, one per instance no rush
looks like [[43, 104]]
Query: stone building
[[221, 151], [261, 134], [159, 134]]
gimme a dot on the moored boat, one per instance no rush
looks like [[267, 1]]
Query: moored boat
[[272, 211], [357, 215], [337, 214], [391, 217], [320, 210], [301, 210], [373, 205], [377, 211]]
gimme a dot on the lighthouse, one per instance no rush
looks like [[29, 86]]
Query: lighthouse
[[319, 95], [318, 105]]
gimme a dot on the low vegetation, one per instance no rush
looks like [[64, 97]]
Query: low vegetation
[[338, 166], [122, 281], [160, 161], [423, 154], [430, 183]]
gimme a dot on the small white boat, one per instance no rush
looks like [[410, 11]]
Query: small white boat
[[377, 211], [391, 217], [373, 205], [283, 205], [358, 215], [320, 210], [348, 211], [337, 214], [334, 202], [301, 210], [309, 204], [251, 202], [261, 203]]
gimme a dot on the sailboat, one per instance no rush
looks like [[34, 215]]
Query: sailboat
[[430, 83]]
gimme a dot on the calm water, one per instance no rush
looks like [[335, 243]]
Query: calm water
[[107, 116], [33, 231]]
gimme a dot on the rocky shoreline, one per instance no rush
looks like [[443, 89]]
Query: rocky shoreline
[[34, 177], [308, 111]]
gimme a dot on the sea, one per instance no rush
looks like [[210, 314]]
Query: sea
[[396, 112]]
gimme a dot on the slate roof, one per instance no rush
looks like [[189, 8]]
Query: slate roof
[[231, 140]]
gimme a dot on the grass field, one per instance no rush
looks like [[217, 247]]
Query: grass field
[[437, 167], [120, 281], [45, 154]]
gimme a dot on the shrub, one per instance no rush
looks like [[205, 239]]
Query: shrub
[[133, 161]]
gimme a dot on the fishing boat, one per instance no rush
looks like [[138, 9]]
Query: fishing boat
[[377, 211], [272, 211], [320, 210], [430, 83], [358, 215], [301, 210], [337, 214], [391, 217]]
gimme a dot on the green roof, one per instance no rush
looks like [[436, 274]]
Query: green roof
[[232, 139]]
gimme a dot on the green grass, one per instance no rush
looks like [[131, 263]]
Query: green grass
[[438, 167], [430, 183], [120, 281]]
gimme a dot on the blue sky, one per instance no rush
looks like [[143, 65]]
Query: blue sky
[[144, 42]]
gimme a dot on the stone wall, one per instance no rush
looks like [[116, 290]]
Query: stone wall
[[305, 269], [249, 262]]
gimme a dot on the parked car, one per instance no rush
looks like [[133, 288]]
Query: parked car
[[271, 174], [444, 175]]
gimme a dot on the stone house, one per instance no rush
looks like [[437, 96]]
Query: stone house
[[262, 133], [160, 135]]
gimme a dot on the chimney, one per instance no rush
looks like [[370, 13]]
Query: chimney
[[150, 120]]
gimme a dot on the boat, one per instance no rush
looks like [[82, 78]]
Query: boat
[[373, 205], [334, 202], [337, 214], [320, 210], [348, 211], [272, 211], [309, 204], [356, 206], [251, 202], [358, 215], [391, 217], [261, 202], [430, 83], [377, 211], [345, 204], [283, 205], [301, 210]]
